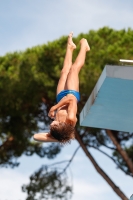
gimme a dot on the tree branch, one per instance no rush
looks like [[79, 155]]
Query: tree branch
[[57, 163], [112, 148], [100, 171], [121, 151], [7, 143], [71, 159], [118, 165]]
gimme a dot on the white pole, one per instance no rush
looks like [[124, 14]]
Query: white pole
[[123, 60]]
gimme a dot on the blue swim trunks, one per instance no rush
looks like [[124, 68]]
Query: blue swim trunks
[[63, 93]]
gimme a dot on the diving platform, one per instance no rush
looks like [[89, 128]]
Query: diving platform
[[110, 105]]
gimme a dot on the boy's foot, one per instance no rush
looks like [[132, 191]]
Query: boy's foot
[[84, 43], [70, 42]]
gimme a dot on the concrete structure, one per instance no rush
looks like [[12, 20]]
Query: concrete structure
[[110, 105], [131, 198]]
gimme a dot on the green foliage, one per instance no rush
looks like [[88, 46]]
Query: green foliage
[[48, 183]]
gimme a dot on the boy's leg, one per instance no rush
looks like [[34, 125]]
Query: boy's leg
[[73, 79], [67, 64]]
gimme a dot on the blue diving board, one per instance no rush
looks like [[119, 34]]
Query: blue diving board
[[110, 105]]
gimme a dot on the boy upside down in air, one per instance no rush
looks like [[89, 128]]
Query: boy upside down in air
[[64, 112]]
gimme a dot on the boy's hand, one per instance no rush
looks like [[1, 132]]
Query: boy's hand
[[51, 113]]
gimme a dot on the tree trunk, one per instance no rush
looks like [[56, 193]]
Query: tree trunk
[[121, 151], [100, 171]]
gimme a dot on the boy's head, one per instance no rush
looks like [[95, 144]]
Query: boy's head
[[62, 132]]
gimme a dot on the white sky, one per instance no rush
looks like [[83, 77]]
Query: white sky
[[28, 23]]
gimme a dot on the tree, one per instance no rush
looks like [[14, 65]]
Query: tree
[[27, 88]]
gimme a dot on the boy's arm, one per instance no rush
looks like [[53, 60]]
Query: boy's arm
[[72, 111], [44, 137], [64, 101]]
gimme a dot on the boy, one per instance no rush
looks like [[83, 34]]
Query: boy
[[64, 112]]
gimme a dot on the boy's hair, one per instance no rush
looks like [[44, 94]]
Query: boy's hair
[[63, 132]]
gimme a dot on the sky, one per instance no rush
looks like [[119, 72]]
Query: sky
[[28, 23]]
